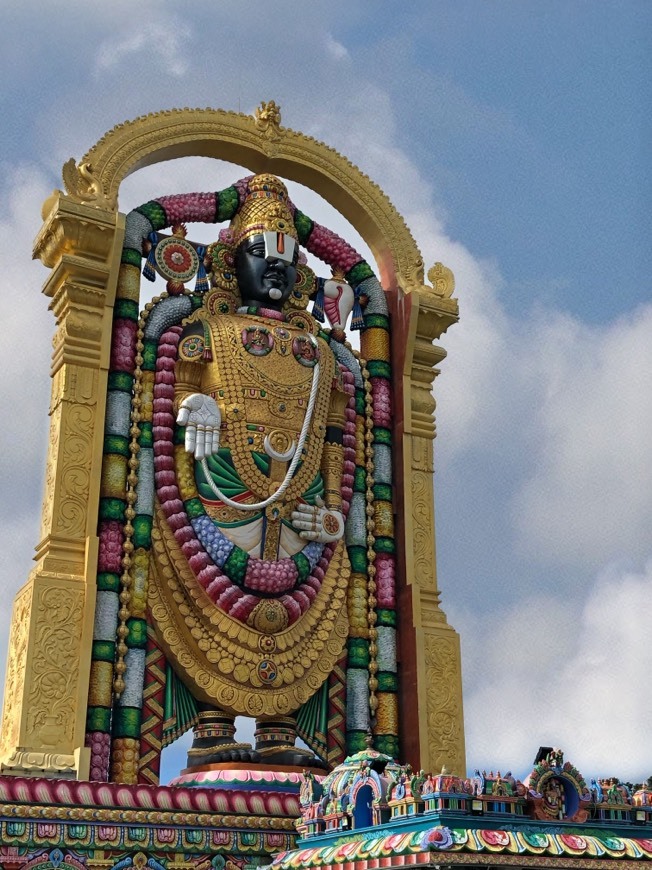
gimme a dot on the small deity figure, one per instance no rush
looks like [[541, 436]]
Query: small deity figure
[[553, 798], [556, 758], [268, 117], [263, 401], [307, 790]]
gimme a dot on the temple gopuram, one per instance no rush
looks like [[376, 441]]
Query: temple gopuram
[[238, 521]]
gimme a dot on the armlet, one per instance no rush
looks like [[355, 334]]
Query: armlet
[[193, 343]]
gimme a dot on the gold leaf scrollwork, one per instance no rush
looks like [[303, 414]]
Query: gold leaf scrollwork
[[442, 701], [423, 529], [52, 697], [78, 426], [442, 280], [15, 680]]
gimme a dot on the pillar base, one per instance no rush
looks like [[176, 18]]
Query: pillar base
[[49, 764]]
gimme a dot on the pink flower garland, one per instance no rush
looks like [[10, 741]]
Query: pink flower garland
[[110, 553], [192, 207], [382, 408], [100, 746], [332, 249], [123, 347], [385, 580]]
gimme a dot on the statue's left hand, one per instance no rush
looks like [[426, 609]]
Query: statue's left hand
[[318, 523]]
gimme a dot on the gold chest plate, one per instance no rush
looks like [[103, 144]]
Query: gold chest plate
[[261, 376]]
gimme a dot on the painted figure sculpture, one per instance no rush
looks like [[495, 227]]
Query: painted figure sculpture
[[249, 555], [263, 403]]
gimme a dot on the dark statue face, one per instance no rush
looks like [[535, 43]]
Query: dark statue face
[[263, 281]]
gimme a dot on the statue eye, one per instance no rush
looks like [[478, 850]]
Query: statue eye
[[257, 249]]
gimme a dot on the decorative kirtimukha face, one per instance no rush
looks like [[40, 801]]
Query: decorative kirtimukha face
[[265, 266]]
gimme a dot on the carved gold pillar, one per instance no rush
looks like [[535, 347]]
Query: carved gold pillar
[[46, 688], [430, 661]]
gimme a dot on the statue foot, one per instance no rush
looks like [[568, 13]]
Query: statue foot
[[218, 753], [291, 756]]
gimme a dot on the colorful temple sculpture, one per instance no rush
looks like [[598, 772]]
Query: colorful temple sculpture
[[238, 510], [238, 522], [370, 813]]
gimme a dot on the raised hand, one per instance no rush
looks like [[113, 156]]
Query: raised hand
[[201, 417]]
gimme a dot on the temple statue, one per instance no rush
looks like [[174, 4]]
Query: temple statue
[[260, 469], [263, 402]]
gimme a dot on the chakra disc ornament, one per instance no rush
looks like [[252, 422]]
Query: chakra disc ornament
[[176, 259], [331, 524]]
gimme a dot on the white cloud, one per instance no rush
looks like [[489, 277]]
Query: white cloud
[[337, 51], [166, 42], [564, 408], [548, 673], [589, 491]]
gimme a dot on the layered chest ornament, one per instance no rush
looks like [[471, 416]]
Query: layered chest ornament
[[272, 384], [260, 340], [238, 622]]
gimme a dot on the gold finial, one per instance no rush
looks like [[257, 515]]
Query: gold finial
[[268, 119], [442, 280]]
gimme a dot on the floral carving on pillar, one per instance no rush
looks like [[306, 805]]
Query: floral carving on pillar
[[15, 680], [443, 707], [58, 612]]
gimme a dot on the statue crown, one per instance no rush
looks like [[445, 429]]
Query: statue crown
[[265, 209]]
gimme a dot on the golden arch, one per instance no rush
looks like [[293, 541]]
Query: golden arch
[[262, 145], [44, 721]]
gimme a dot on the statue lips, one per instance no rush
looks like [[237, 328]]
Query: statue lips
[[275, 280], [276, 275]]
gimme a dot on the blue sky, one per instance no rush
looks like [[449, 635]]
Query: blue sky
[[514, 138]]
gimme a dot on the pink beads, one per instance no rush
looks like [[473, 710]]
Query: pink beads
[[208, 574], [331, 248], [123, 349], [382, 408], [100, 746], [385, 580], [110, 554], [192, 207], [271, 577], [217, 586]]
